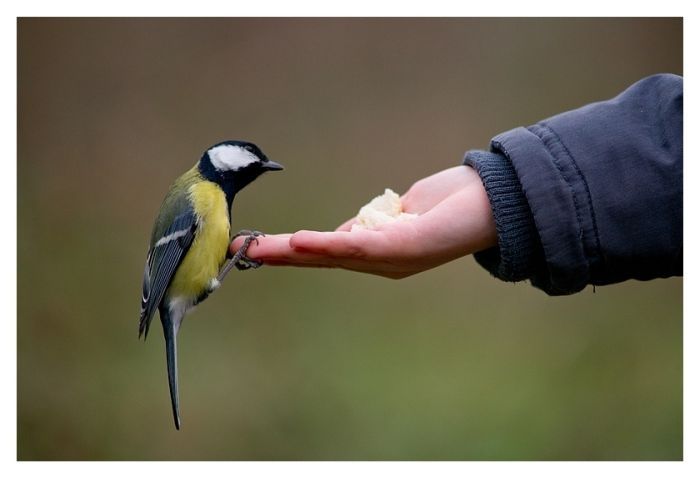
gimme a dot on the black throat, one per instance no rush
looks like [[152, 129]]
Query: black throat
[[229, 181], [224, 180]]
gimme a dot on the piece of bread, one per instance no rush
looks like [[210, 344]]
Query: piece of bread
[[381, 210]]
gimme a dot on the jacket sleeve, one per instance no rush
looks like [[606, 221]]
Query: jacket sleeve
[[590, 196]]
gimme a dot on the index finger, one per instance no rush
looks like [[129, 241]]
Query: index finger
[[341, 244], [274, 246]]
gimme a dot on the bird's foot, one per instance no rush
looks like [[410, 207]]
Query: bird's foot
[[248, 232], [245, 263], [240, 259]]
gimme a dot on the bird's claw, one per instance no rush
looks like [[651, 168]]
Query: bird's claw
[[250, 233], [245, 263], [240, 260]]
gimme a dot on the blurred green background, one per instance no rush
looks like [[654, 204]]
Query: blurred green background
[[287, 364]]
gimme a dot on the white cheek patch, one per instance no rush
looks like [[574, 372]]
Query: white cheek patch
[[227, 157]]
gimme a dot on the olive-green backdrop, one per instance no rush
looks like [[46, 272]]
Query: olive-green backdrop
[[286, 364]]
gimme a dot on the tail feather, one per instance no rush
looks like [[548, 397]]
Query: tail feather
[[170, 329]]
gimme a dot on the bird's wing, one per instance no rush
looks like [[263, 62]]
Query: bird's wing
[[165, 255]]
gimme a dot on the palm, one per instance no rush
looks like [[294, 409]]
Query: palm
[[454, 219]]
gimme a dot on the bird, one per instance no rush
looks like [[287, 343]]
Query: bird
[[189, 244]]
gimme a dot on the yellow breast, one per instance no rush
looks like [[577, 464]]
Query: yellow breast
[[208, 250]]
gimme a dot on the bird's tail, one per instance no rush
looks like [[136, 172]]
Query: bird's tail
[[170, 329]]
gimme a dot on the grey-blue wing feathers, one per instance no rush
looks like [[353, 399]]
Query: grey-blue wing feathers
[[164, 257]]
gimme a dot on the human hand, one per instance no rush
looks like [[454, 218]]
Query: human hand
[[454, 219]]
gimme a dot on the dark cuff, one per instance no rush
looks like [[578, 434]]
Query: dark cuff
[[519, 251]]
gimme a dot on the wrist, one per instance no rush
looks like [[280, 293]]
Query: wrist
[[514, 255], [484, 233]]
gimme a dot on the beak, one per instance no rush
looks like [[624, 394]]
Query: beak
[[272, 166]]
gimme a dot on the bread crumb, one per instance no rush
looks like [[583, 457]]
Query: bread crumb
[[381, 210]]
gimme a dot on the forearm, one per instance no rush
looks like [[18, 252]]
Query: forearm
[[603, 185]]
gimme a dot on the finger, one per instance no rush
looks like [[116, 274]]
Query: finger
[[265, 247], [347, 225], [324, 262], [374, 252], [307, 259], [320, 262], [356, 244], [426, 193], [276, 250]]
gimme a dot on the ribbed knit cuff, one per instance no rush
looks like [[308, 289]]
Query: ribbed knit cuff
[[519, 251]]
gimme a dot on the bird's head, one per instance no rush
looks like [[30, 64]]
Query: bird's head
[[235, 164]]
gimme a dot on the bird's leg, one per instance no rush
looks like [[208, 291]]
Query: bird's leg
[[239, 259]]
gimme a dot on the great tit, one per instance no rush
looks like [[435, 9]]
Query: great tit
[[190, 241]]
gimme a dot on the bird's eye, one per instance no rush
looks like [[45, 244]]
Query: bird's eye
[[249, 147]]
